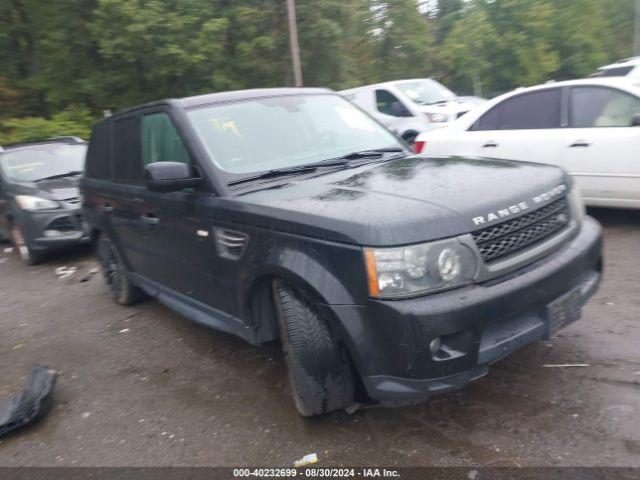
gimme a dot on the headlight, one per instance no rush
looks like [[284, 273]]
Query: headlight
[[27, 202], [419, 269], [436, 117], [577, 205]]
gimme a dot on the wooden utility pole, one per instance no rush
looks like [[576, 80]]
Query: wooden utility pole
[[293, 40]]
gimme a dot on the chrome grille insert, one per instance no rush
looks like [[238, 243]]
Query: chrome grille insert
[[513, 235]]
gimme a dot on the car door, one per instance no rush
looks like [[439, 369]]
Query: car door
[[601, 147], [184, 254], [525, 127]]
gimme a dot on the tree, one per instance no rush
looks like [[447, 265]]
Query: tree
[[404, 40]]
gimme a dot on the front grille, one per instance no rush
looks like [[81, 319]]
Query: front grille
[[65, 224], [514, 235]]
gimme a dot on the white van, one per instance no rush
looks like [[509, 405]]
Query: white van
[[409, 107]]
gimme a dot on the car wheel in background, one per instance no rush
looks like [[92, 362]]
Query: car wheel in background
[[114, 273], [20, 244], [320, 370], [410, 137]]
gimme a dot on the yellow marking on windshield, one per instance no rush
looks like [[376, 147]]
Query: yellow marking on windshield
[[25, 167], [225, 125]]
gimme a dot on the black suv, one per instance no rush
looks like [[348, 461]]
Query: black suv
[[39, 204], [290, 214]]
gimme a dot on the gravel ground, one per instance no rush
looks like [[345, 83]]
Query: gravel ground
[[142, 386]]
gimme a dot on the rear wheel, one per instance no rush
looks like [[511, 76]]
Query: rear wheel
[[115, 273], [27, 255], [320, 371]]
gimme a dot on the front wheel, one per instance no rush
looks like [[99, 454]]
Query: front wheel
[[320, 370], [27, 255], [114, 273]]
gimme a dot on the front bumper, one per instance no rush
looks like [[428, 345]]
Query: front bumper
[[66, 224], [477, 325]]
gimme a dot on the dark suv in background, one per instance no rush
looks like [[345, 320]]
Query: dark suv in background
[[290, 214], [39, 204]]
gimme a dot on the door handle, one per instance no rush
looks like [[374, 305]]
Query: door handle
[[490, 144], [579, 143], [106, 208], [150, 219]]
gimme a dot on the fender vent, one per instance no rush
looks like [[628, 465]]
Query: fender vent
[[229, 243]]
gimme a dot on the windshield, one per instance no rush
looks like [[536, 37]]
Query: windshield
[[281, 132], [35, 162], [426, 92]]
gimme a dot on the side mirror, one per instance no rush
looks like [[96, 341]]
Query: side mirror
[[399, 110], [169, 177], [635, 120]]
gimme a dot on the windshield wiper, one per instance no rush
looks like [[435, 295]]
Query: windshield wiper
[[340, 161], [283, 172], [60, 175], [376, 152]]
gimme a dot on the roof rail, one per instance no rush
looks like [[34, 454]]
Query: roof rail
[[66, 139], [628, 59]]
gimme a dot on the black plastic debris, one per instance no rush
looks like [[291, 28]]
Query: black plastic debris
[[31, 404]]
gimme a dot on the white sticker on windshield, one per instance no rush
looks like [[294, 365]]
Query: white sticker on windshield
[[355, 119]]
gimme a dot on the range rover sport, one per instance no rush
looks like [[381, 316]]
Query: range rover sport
[[291, 214]]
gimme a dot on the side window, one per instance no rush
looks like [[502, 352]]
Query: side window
[[388, 103], [601, 107], [126, 151], [161, 142], [533, 110], [99, 154]]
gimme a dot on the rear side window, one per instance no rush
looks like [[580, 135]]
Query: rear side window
[[601, 107], [533, 110], [161, 142], [99, 153], [126, 155]]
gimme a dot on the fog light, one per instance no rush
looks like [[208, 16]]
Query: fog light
[[435, 344], [52, 233]]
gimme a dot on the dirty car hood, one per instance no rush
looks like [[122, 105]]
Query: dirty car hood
[[401, 201]]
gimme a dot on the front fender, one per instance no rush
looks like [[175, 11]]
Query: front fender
[[332, 272]]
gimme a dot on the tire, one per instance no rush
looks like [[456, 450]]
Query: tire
[[409, 137], [114, 273], [26, 254], [320, 370]]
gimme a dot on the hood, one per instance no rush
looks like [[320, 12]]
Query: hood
[[58, 189], [402, 201], [451, 108]]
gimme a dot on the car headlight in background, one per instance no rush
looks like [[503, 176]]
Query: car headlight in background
[[29, 203], [419, 269], [436, 117]]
